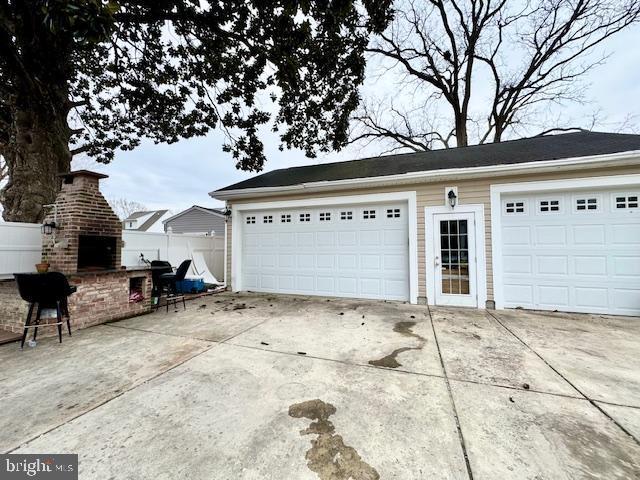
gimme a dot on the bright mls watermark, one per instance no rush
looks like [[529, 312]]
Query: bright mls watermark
[[39, 466]]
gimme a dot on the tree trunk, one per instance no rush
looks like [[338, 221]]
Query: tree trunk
[[37, 151]]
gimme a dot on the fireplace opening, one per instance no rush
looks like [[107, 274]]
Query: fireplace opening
[[96, 253]]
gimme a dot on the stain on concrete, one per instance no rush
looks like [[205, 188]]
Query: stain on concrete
[[390, 361], [328, 456]]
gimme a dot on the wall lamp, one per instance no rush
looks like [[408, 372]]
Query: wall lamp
[[452, 198]]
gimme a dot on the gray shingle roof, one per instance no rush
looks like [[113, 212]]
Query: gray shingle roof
[[534, 149]]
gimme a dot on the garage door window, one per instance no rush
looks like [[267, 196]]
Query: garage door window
[[369, 214], [346, 215], [325, 216], [251, 220], [267, 219], [285, 218], [511, 208], [627, 201], [586, 204], [305, 217], [549, 206], [393, 213]]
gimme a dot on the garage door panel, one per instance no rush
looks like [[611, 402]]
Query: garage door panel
[[592, 297], [589, 234], [552, 265], [516, 235], [551, 235], [552, 295], [626, 265], [355, 254], [590, 265], [584, 261]]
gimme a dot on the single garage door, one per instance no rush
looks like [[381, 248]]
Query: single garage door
[[358, 251], [572, 251]]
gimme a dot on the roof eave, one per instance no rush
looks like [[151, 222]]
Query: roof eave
[[430, 176]]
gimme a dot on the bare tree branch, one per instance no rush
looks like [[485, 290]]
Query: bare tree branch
[[531, 54]]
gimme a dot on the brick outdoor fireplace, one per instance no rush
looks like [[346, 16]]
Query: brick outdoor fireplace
[[85, 245]]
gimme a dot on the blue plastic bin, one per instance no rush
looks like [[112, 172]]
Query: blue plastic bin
[[191, 285]]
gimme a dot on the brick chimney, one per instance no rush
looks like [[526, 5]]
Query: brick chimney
[[88, 234]]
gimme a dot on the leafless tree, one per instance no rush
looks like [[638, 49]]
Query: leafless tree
[[123, 208], [4, 171], [475, 70]]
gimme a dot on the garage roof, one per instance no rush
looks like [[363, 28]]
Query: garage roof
[[534, 149]]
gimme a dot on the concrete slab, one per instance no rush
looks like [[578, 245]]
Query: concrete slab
[[539, 436], [45, 386], [627, 417], [243, 413], [384, 334], [475, 347], [598, 354], [214, 318]]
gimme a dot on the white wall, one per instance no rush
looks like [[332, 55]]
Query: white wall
[[21, 248]]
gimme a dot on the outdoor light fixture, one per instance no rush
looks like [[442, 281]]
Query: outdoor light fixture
[[48, 228], [227, 213], [452, 198]]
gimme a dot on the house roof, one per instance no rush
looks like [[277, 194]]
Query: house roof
[[214, 211], [534, 149], [136, 215], [155, 216]]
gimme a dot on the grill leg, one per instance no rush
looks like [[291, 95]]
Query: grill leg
[[35, 330], [65, 312], [27, 322], [184, 305], [59, 321]]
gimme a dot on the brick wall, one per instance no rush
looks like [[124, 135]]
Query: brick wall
[[101, 297], [13, 310]]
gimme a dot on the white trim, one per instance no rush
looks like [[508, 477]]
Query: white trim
[[481, 262], [614, 159], [195, 207], [572, 184], [408, 196], [226, 253]]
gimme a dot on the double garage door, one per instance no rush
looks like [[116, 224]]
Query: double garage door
[[347, 251], [572, 251]]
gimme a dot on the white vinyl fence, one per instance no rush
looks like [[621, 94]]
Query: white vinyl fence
[[21, 248]]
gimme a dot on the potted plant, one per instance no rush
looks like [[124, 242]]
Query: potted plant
[[42, 267]]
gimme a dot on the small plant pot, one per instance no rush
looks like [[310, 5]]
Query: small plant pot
[[42, 267]]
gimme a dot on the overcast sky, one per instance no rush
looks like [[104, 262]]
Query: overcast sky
[[180, 175]]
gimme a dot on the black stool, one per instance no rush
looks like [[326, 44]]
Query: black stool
[[47, 290]]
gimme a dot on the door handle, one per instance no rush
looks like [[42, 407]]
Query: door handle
[[436, 261]]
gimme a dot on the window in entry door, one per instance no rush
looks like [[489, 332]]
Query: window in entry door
[[454, 251]]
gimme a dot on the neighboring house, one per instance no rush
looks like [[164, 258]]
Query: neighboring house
[[550, 222], [197, 220], [150, 221]]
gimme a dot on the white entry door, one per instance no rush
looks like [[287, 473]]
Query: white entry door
[[454, 258], [359, 251]]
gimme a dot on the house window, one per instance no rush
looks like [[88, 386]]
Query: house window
[[346, 215], [549, 206], [267, 219], [251, 220], [630, 201], [583, 204], [285, 218], [514, 207], [369, 214], [305, 217], [393, 213], [325, 216]]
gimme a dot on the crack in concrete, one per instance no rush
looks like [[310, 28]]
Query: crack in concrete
[[328, 456], [390, 361]]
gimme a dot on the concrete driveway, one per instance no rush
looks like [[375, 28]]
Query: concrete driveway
[[266, 387]]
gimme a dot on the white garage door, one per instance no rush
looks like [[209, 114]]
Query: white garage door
[[572, 251], [356, 251]]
